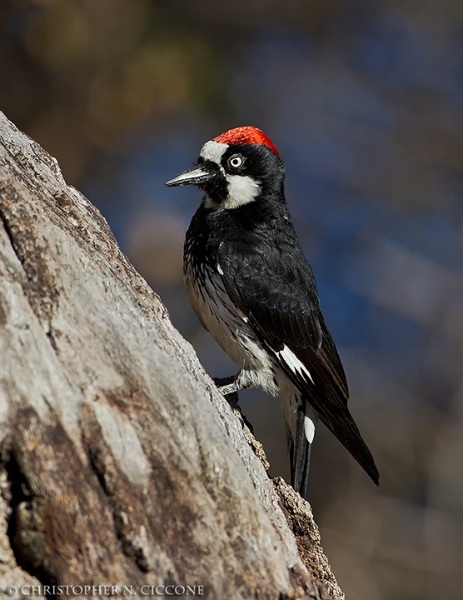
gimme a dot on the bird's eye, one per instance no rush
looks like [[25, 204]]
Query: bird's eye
[[235, 161]]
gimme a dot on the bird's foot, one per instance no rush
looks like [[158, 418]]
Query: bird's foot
[[229, 388], [235, 383], [227, 385]]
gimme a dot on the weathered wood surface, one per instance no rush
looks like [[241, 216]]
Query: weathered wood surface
[[121, 464]]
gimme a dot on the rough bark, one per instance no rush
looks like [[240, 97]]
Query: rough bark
[[121, 464]]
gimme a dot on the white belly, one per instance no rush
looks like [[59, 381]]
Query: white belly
[[230, 329]]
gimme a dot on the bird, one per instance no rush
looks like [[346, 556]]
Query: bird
[[253, 290]]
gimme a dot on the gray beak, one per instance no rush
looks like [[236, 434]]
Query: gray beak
[[194, 176]]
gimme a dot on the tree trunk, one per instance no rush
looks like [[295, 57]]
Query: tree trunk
[[121, 464]]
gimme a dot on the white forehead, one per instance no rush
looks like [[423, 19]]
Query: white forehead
[[213, 151]]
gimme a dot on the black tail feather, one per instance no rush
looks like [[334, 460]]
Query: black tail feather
[[344, 428], [300, 451]]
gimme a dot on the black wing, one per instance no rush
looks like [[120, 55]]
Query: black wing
[[273, 285]]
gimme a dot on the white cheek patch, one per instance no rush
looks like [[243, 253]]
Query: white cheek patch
[[213, 151], [241, 190]]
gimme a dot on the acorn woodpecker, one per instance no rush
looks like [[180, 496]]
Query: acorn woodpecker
[[252, 288]]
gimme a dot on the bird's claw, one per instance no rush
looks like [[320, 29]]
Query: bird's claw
[[226, 385]]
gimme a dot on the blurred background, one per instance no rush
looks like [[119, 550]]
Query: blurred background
[[364, 100]]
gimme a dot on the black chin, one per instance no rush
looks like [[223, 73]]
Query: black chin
[[216, 188]]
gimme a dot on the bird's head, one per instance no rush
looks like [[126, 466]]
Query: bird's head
[[235, 168]]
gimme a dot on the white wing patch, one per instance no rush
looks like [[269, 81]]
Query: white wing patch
[[287, 356]]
